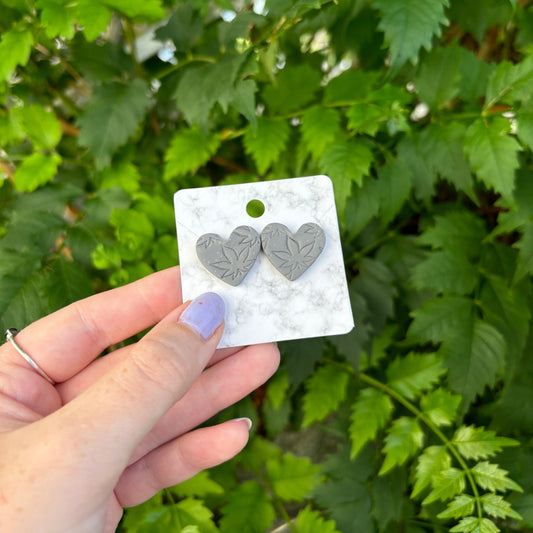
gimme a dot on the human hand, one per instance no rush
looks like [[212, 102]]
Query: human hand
[[114, 431]]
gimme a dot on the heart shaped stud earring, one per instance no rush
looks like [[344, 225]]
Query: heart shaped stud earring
[[231, 260], [292, 253]]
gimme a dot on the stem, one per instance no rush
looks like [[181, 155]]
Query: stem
[[277, 502], [83, 87], [421, 416], [376, 244], [173, 511], [129, 35], [188, 61]]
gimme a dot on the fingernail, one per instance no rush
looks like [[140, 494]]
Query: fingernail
[[247, 420], [204, 314]]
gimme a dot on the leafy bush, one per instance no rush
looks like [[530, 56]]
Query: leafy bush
[[421, 113]]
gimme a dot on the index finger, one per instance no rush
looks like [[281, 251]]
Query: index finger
[[66, 341]]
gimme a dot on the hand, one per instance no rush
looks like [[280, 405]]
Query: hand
[[114, 431]]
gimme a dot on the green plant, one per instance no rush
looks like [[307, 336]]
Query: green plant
[[421, 113]]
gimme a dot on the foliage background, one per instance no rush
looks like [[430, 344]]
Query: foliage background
[[420, 111]]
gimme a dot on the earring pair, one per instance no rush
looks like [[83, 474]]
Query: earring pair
[[291, 254]]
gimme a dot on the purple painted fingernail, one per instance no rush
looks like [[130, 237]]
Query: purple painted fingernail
[[204, 314]]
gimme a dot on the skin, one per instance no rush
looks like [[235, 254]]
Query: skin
[[116, 430]]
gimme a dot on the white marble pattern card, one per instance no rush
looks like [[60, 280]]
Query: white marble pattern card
[[266, 306]]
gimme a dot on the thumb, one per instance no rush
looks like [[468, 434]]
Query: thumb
[[122, 407]]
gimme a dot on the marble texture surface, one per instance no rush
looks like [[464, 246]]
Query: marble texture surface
[[266, 306]]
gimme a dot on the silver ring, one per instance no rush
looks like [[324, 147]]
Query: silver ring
[[10, 336]]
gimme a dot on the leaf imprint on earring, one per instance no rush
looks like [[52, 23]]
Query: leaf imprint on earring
[[231, 260], [292, 253]]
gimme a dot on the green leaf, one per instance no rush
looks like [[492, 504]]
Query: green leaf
[[366, 117], [93, 17], [248, 508], [36, 170], [446, 485], [361, 206], [477, 443], [266, 143], [460, 232], [40, 125], [445, 271], [374, 283], [431, 462], [475, 357], [58, 17], [15, 49], [150, 516], [106, 257], [388, 498], [409, 25], [134, 231], [475, 72], [65, 284], [243, 100], [491, 477], [111, 117], [165, 253], [278, 387], [309, 521], [200, 485], [346, 498], [413, 374], [292, 477], [510, 82], [493, 154], [440, 406], [319, 128], [201, 87], [257, 452], [184, 27], [239, 27], [294, 88], [442, 148], [193, 514], [495, 505], [404, 438], [21, 280], [346, 162], [438, 78], [518, 216], [393, 187], [123, 174], [349, 86], [524, 130], [146, 9], [326, 389], [477, 21], [189, 150], [462, 505], [159, 210], [11, 131], [473, 524], [439, 319], [370, 413], [412, 153], [524, 245], [508, 310]]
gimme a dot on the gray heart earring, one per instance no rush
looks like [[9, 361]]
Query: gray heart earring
[[292, 253], [231, 260]]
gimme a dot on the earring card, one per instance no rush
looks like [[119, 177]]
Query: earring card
[[267, 306]]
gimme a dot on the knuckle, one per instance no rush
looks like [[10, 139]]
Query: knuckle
[[159, 362]]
